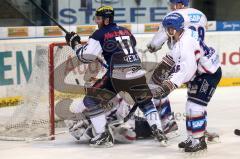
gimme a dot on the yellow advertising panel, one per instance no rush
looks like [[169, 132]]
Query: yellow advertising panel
[[52, 31], [149, 28], [18, 32]]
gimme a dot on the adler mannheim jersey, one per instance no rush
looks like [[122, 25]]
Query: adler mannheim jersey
[[117, 46], [189, 60], [193, 19], [192, 57]]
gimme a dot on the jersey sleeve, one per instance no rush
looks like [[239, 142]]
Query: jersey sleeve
[[186, 65], [204, 21], [90, 51], [159, 38], [133, 41]]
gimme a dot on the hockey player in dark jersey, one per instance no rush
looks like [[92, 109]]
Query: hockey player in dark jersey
[[117, 45]]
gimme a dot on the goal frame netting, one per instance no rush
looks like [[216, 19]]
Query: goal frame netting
[[13, 128]]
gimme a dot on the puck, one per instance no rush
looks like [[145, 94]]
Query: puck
[[237, 132]]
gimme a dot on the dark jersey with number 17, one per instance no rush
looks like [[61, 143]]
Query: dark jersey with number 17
[[118, 45]]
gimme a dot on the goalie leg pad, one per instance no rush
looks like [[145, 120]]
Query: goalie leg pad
[[77, 128], [77, 106], [98, 96]]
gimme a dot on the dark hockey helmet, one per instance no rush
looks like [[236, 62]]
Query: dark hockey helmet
[[105, 12], [184, 2]]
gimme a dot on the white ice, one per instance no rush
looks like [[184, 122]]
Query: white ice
[[223, 118]]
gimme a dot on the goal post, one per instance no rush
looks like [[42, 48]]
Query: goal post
[[57, 79]]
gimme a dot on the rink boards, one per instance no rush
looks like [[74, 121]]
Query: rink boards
[[16, 60]]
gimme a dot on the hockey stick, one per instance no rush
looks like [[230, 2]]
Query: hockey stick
[[62, 28], [133, 109], [51, 18], [131, 112], [46, 137], [126, 118]]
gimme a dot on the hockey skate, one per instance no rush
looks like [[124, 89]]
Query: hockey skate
[[196, 145], [159, 135], [104, 139], [185, 143]]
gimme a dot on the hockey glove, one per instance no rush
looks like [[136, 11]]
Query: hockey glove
[[165, 89], [72, 39], [151, 48], [163, 70]]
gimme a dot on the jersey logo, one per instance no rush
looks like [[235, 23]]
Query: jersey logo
[[194, 18], [198, 124]]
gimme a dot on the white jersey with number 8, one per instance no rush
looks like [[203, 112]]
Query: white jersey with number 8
[[193, 19]]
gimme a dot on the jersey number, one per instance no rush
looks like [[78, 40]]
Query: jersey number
[[125, 43], [200, 30]]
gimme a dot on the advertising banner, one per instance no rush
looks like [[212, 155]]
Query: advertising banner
[[52, 31], [18, 32], [150, 28], [86, 30]]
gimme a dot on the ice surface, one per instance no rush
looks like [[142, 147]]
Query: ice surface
[[223, 118]]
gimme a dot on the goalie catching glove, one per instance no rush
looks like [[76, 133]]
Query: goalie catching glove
[[72, 39]]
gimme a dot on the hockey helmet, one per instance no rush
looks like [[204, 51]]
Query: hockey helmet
[[174, 20], [184, 2], [105, 12]]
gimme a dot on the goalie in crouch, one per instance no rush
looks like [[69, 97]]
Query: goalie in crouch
[[117, 45]]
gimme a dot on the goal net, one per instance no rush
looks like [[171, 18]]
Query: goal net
[[57, 79]]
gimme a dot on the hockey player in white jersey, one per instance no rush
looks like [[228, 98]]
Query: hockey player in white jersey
[[202, 77], [193, 19]]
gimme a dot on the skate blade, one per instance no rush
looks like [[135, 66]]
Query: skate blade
[[173, 134], [106, 145], [197, 154], [163, 143], [214, 140], [181, 149]]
